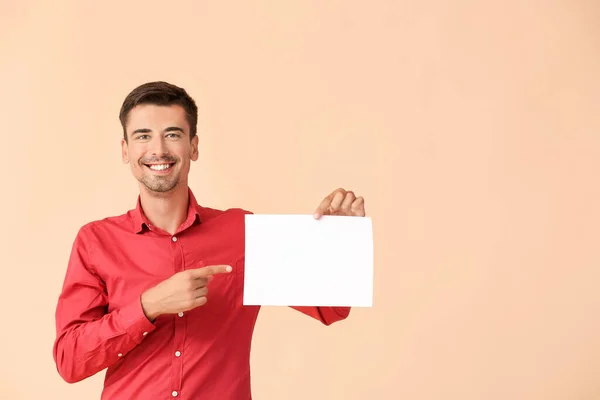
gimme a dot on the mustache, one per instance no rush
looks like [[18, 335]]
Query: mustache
[[163, 159]]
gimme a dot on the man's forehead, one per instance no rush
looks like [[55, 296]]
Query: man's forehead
[[151, 116], [156, 110]]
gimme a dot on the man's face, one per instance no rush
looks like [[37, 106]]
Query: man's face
[[158, 148]]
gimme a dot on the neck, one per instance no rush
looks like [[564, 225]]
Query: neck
[[166, 211]]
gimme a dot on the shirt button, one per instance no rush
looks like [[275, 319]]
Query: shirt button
[[177, 353], [120, 354], [145, 333], [174, 238], [180, 314], [174, 393]]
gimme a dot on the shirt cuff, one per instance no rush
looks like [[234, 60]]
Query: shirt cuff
[[343, 312], [135, 322]]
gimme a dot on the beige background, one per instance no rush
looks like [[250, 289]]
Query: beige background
[[471, 128]]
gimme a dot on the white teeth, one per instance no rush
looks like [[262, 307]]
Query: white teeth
[[160, 167]]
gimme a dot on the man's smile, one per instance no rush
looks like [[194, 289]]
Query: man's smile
[[160, 167]]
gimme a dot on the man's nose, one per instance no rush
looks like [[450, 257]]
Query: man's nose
[[157, 146]]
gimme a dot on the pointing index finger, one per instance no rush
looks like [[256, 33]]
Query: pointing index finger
[[211, 270]]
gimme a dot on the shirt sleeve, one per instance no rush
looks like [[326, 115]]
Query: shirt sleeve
[[327, 315], [88, 338]]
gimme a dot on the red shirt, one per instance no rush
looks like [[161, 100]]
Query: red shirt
[[201, 354]]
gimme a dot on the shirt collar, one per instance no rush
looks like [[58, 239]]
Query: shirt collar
[[141, 222]]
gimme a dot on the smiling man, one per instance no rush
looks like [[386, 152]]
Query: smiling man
[[154, 295]]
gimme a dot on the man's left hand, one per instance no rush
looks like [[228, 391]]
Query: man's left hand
[[341, 202]]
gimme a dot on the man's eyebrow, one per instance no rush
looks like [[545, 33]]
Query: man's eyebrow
[[141, 130], [173, 129]]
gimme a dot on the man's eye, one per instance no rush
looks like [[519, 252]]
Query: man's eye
[[143, 137], [173, 135]]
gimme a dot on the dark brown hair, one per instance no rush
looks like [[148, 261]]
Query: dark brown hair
[[161, 94]]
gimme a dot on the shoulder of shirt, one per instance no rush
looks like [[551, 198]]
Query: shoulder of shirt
[[207, 213], [114, 221]]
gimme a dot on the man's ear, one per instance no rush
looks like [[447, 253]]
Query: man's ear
[[124, 151], [194, 155]]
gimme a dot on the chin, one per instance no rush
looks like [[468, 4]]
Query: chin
[[159, 187]]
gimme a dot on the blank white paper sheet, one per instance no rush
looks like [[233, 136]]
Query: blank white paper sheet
[[297, 260]]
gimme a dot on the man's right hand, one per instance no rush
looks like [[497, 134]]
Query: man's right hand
[[183, 291]]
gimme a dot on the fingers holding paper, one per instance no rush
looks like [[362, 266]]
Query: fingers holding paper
[[341, 202]]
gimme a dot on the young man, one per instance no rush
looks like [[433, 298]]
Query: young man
[[155, 295]]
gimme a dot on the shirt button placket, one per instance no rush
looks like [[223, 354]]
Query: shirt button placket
[[180, 324]]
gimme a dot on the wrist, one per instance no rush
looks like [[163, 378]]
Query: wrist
[[150, 307]]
